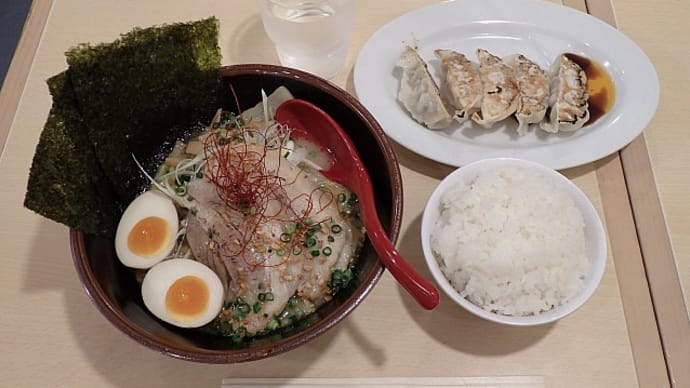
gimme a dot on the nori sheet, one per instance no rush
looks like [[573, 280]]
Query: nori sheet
[[66, 183], [134, 96], [143, 91]]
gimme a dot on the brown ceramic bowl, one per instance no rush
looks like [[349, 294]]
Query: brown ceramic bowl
[[116, 293]]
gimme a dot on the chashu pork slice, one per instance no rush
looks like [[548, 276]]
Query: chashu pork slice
[[250, 256]]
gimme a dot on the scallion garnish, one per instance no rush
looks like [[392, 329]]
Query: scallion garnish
[[243, 308]]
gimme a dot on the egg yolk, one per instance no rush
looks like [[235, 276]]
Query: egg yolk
[[148, 236], [187, 297]]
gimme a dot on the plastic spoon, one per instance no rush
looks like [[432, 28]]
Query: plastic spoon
[[310, 122]]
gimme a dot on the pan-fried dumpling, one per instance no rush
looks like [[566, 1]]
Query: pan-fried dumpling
[[533, 87], [500, 90], [568, 106], [462, 81], [419, 94]]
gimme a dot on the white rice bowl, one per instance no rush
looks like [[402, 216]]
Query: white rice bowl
[[513, 241]]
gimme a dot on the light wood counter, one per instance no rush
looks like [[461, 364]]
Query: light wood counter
[[660, 160], [633, 332]]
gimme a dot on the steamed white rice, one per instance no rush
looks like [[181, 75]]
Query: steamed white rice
[[511, 242]]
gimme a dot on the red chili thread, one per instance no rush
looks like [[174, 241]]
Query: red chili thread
[[238, 170]]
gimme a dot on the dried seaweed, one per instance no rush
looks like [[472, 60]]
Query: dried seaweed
[[66, 183], [131, 97], [143, 91]]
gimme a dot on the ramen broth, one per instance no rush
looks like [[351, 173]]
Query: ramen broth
[[255, 209]]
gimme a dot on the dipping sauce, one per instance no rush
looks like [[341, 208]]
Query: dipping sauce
[[600, 87]]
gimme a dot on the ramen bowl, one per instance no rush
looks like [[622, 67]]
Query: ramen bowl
[[115, 291]]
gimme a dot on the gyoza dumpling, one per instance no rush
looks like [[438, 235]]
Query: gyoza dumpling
[[568, 106], [500, 90], [419, 93], [533, 91], [462, 82]]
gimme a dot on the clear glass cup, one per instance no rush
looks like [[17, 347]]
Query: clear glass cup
[[311, 35]]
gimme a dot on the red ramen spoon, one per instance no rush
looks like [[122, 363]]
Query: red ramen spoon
[[310, 122]]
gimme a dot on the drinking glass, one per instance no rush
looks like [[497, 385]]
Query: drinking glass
[[310, 35]]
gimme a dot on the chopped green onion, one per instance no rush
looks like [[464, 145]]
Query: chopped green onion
[[331, 238], [339, 280], [310, 242], [315, 253], [269, 296], [199, 174], [296, 250], [243, 308], [342, 197], [336, 228], [352, 200], [327, 251], [257, 307], [272, 324], [285, 237], [181, 190]]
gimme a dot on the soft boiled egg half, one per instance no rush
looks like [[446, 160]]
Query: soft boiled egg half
[[183, 292], [146, 232]]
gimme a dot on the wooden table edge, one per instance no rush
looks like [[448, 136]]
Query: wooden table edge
[[659, 260], [634, 218], [20, 67], [651, 261]]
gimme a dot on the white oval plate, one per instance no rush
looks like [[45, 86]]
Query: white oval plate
[[537, 29]]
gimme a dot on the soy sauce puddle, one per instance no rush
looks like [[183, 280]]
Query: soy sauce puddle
[[600, 87]]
